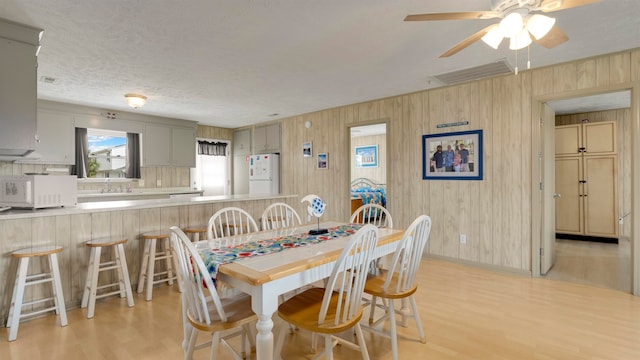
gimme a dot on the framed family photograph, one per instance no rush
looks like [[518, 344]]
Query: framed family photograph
[[306, 149], [366, 156], [323, 161], [452, 156]]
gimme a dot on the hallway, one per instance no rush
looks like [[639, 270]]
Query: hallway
[[593, 263]]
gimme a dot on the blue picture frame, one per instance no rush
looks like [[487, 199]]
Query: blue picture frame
[[366, 156], [460, 156]]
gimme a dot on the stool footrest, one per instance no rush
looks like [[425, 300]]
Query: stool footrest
[[115, 292], [41, 281], [162, 256], [109, 266], [38, 301], [37, 312], [107, 286], [33, 277], [165, 273]]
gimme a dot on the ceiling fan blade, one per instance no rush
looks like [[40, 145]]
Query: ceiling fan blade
[[468, 41], [470, 15], [549, 5], [554, 37]]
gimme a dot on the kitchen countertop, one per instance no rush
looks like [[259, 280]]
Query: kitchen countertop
[[100, 206], [140, 192]]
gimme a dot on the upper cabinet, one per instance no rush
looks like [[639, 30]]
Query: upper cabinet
[[56, 135], [183, 147], [18, 89], [597, 138], [169, 146], [242, 142], [266, 139]]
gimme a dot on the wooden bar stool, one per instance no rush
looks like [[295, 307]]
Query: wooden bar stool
[[23, 280], [119, 264], [149, 258], [194, 232]]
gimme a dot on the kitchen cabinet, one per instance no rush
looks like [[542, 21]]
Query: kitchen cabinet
[[18, 88], [242, 142], [169, 146], [596, 138], [183, 147], [56, 138], [587, 182], [266, 139]]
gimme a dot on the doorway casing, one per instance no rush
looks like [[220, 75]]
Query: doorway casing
[[537, 217]]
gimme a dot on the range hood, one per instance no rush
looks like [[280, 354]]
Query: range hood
[[18, 155], [19, 45]]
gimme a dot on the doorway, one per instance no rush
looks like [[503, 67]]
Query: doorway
[[212, 169], [368, 169], [594, 263]]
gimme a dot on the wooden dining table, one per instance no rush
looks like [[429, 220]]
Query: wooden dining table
[[267, 277]]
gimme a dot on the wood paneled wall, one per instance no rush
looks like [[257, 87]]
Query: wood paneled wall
[[213, 132], [622, 117], [495, 213]]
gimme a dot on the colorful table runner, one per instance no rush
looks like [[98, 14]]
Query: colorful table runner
[[214, 258]]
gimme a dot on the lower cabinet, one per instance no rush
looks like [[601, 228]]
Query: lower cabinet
[[588, 202]]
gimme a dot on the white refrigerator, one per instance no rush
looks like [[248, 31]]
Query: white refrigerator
[[264, 174]]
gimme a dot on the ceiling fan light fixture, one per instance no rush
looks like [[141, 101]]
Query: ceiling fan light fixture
[[520, 41], [135, 100], [493, 37], [511, 25], [539, 25]]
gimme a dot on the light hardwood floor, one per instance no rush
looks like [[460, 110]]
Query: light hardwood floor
[[467, 313], [593, 263]]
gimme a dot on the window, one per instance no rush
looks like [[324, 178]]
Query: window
[[107, 153], [212, 167]]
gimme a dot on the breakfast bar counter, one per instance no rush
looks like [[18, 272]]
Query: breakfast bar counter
[[116, 205], [71, 227]]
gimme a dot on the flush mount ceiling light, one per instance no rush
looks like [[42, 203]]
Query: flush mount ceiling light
[[135, 100]]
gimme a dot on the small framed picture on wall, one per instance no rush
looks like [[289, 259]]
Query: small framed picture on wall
[[307, 151], [367, 156], [323, 161]]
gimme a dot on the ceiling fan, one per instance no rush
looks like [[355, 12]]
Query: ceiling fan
[[521, 23]]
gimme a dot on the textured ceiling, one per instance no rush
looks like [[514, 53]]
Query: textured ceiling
[[238, 62]]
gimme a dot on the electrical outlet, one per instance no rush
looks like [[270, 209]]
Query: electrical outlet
[[463, 239], [621, 220], [158, 183]]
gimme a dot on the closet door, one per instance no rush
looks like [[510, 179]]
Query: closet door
[[569, 214], [568, 140], [600, 194], [599, 138]]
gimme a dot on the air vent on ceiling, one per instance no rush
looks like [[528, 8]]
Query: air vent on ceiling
[[499, 67], [48, 80]]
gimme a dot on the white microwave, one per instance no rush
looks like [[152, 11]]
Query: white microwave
[[38, 191]]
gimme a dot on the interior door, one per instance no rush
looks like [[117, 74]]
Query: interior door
[[600, 206], [547, 256], [569, 207]]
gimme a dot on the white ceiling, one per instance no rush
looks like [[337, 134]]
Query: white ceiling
[[237, 62], [607, 101]]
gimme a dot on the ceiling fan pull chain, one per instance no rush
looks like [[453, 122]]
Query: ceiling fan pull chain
[[516, 70], [528, 57]]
